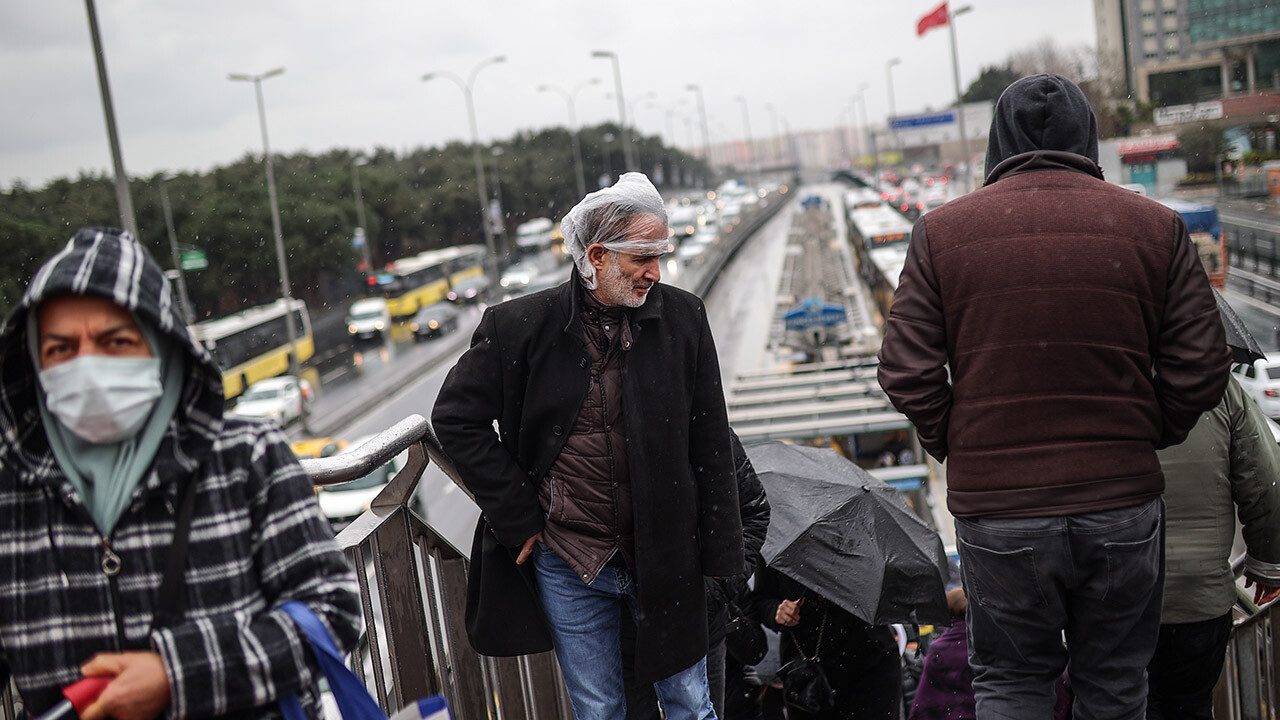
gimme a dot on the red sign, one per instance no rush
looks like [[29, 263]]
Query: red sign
[[1147, 145], [937, 18]]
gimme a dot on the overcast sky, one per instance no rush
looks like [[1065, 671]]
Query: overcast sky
[[353, 69]]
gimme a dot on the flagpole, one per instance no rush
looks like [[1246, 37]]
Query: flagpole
[[955, 71]]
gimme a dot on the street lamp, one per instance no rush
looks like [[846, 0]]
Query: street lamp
[[893, 113], [627, 151], [570, 98], [358, 162], [285, 292], [866, 129], [124, 200], [955, 71], [483, 194], [188, 313], [746, 125], [706, 131]]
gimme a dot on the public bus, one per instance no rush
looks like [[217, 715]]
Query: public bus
[[412, 283], [1206, 232], [884, 233], [253, 345]]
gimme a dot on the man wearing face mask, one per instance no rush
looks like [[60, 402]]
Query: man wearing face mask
[[609, 486], [114, 454]]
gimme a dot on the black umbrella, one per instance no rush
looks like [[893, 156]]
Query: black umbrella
[[1244, 348], [846, 535]]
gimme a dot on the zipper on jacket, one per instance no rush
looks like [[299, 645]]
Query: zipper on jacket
[[111, 568]]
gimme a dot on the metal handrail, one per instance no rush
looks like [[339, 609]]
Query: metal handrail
[[413, 596], [1250, 685]]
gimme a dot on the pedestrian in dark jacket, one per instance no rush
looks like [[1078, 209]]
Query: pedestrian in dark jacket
[[1228, 465], [726, 597], [1049, 332], [610, 467], [861, 661], [110, 424]]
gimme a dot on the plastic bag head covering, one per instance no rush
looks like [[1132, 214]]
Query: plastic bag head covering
[[606, 217]]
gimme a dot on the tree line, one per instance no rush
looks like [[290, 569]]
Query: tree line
[[414, 201]]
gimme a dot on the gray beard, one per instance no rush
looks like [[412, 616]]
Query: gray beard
[[616, 288]]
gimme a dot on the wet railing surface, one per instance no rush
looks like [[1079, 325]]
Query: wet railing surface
[[1249, 688], [413, 586]]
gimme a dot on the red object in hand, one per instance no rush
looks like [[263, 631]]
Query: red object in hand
[[79, 695]]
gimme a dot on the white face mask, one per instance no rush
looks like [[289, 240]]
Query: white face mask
[[102, 399]]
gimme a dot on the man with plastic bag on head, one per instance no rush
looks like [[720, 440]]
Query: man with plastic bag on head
[[112, 440], [609, 485]]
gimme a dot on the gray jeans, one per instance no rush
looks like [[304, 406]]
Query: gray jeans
[[1098, 577]]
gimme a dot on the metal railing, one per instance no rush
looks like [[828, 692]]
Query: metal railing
[[1249, 688], [413, 586], [1257, 286]]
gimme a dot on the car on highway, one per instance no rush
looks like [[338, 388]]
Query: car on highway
[[368, 319], [471, 290], [518, 276], [682, 220], [434, 320], [279, 399], [320, 447], [1261, 379], [344, 503]]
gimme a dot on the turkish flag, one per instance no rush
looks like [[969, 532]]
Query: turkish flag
[[934, 19]]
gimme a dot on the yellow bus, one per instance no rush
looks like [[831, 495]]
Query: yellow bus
[[412, 283], [254, 344]]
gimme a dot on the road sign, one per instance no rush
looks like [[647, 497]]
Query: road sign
[[358, 241], [193, 260]]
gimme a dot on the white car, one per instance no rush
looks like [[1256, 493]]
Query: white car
[[1261, 380], [280, 399], [344, 503], [369, 319]]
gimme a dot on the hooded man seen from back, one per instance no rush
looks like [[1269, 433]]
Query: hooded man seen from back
[[1049, 332], [111, 429]]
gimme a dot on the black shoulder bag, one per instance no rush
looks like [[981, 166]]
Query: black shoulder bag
[[171, 599], [804, 683]]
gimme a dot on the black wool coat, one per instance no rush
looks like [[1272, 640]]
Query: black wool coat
[[528, 370]]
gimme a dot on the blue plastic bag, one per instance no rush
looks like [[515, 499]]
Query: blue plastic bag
[[354, 700]]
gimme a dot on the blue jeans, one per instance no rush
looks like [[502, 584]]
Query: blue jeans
[[1097, 577], [584, 621]]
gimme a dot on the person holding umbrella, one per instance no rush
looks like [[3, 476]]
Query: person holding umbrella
[[844, 558], [860, 661]]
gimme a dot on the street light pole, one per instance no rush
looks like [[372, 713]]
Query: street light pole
[[570, 98], [627, 151], [481, 191], [746, 125], [124, 199], [706, 130], [286, 293], [893, 113], [866, 128], [955, 71], [356, 163], [188, 313]]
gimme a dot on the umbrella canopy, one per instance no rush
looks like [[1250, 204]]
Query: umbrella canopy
[[1243, 347], [846, 535]]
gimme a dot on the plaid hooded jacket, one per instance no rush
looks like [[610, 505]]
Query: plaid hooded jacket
[[257, 536]]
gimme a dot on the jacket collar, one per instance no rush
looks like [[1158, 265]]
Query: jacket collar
[[570, 302], [1043, 160]]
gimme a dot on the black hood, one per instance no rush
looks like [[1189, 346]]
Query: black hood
[[1042, 112]]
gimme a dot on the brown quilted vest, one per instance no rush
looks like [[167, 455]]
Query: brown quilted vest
[[587, 492]]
